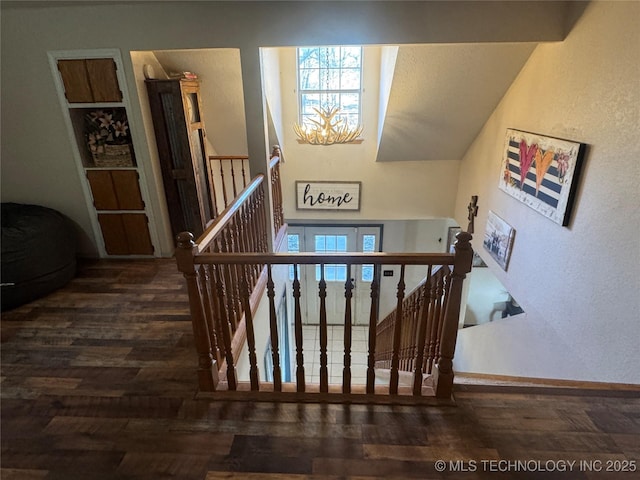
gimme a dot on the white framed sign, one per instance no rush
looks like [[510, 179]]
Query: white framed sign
[[323, 195]]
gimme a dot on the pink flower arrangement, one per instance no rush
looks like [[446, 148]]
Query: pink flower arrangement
[[106, 127]]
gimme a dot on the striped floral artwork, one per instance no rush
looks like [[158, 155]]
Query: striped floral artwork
[[541, 172]]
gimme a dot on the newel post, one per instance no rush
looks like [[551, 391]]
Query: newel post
[[207, 366], [443, 372]]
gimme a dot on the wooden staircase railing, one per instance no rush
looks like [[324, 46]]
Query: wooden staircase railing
[[422, 316], [217, 294], [210, 275], [228, 175]]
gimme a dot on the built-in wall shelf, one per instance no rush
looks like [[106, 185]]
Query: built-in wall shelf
[[95, 104]]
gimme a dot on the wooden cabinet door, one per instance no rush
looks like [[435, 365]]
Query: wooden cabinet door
[[75, 77], [115, 189], [125, 233], [90, 80], [103, 80]]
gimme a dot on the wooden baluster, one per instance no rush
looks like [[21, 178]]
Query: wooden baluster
[[443, 300], [226, 328], [236, 270], [298, 331], [322, 293], [434, 326], [273, 324], [212, 183], [414, 328], [208, 306], [233, 178], [251, 342], [262, 218], [443, 373], [225, 270], [397, 331], [373, 322], [207, 367], [422, 335], [224, 187], [348, 295], [244, 177]]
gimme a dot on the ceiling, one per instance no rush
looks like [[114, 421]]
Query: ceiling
[[442, 95]]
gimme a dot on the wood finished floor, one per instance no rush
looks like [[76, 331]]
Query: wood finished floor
[[98, 382]]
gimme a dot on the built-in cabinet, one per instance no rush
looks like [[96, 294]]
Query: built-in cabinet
[[176, 110], [95, 105]]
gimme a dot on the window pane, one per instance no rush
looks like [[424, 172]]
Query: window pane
[[341, 273], [331, 243], [308, 101], [350, 103], [309, 79], [368, 243], [330, 57], [293, 243], [350, 79], [341, 243], [367, 273], [328, 100], [330, 273], [308, 57], [320, 241], [351, 57]]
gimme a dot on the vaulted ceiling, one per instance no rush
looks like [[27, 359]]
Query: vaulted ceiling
[[441, 96]]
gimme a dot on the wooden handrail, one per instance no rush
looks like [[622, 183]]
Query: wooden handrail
[[356, 258], [218, 225], [425, 316]]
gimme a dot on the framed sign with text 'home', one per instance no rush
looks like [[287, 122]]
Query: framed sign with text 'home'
[[323, 195]]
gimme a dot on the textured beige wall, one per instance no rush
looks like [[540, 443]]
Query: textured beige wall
[[578, 284]]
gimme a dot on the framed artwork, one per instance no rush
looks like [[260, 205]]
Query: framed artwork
[[498, 239], [451, 238], [542, 172], [328, 195]]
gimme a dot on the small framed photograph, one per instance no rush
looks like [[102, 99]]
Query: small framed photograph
[[498, 239]]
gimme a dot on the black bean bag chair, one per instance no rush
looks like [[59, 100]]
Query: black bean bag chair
[[38, 252]]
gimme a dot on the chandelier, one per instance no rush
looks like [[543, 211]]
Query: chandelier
[[327, 131]]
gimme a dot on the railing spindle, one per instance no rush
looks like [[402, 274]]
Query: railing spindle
[[273, 325], [251, 342], [226, 327], [422, 336], [322, 293], [397, 331], [300, 382], [373, 322], [233, 178], [348, 294]]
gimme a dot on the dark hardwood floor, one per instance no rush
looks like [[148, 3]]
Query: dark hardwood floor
[[98, 382]]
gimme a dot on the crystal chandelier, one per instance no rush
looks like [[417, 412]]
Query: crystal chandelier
[[327, 131]]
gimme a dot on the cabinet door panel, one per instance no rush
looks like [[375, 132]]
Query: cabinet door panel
[[137, 231], [127, 189], [125, 233], [103, 80], [102, 188], [114, 234], [76, 81]]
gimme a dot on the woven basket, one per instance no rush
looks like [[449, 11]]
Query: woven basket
[[114, 156]]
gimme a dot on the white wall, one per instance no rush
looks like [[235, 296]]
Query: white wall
[[578, 284], [406, 190]]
